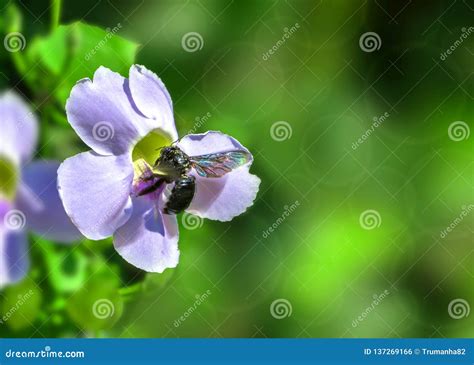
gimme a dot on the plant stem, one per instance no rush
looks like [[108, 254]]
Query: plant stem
[[55, 13]]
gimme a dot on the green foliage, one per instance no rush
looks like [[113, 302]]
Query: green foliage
[[98, 304], [22, 304], [10, 19], [72, 52], [157, 282], [67, 268]]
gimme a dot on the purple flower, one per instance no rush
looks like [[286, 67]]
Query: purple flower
[[124, 122], [28, 195]]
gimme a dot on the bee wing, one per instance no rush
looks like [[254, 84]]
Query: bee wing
[[219, 164]]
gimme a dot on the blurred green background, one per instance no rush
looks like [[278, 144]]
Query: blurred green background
[[356, 245]]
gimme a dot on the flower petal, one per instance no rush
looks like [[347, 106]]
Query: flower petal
[[224, 198], [104, 115], [152, 98], [95, 191], [220, 198], [19, 128], [209, 142], [14, 258], [39, 200], [149, 240]]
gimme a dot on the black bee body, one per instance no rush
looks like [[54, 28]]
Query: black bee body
[[181, 195], [174, 164]]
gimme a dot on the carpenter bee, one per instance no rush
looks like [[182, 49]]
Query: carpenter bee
[[173, 166]]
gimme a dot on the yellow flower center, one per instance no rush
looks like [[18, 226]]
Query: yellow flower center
[[8, 179], [147, 151]]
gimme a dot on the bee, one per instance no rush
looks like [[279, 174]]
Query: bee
[[173, 166]]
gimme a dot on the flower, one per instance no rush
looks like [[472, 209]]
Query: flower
[[97, 187], [28, 196]]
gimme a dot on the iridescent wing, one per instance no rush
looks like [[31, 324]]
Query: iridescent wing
[[219, 164]]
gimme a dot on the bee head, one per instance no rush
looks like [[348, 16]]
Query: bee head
[[172, 161]]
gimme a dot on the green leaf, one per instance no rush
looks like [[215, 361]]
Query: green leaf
[[73, 52], [21, 305], [42, 50], [98, 305], [67, 267]]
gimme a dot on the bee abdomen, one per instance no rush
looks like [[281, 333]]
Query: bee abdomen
[[181, 195]]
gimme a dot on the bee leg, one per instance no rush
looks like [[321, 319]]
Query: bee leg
[[151, 188]]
